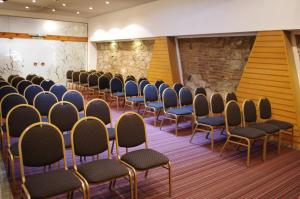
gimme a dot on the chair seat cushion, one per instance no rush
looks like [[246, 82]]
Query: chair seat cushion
[[45, 119], [14, 149], [94, 87], [189, 108], [102, 170], [111, 133], [51, 183], [106, 90], [155, 105], [179, 111], [67, 139], [212, 121], [248, 132], [144, 159], [281, 124], [85, 84], [81, 114], [118, 94], [136, 99], [266, 127]]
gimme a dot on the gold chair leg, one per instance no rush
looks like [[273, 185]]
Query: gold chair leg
[[146, 173], [13, 174], [136, 185], [161, 124], [223, 148], [132, 191], [117, 103], [265, 148], [176, 129], [170, 179], [193, 134], [248, 152], [279, 143], [212, 138], [154, 118]]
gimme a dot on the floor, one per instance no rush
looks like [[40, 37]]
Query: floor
[[200, 173]]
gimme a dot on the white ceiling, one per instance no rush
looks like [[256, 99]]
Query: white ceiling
[[72, 6]]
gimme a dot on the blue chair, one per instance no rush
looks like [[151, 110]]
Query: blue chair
[[171, 110], [16, 80], [31, 91], [29, 77], [151, 101], [43, 103], [104, 86], [200, 90], [204, 122], [116, 90], [58, 90], [141, 79], [217, 107], [161, 89], [186, 98], [11, 77], [4, 83], [177, 86], [230, 96], [92, 84], [132, 97], [76, 98], [142, 85], [157, 83], [130, 78], [4, 90], [22, 85], [46, 84]]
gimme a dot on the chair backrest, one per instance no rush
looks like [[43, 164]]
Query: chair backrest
[[4, 83], [63, 115], [150, 93], [161, 89], [9, 101], [249, 111], [116, 85], [92, 80], [76, 98], [4, 90], [83, 77], [169, 98], [19, 118], [16, 80], [103, 82], [120, 77], [177, 86], [217, 103], [130, 131], [46, 84], [200, 105], [37, 80], [230, 96], [41, 144], [2, 79], [200, 90], [100, 109], [130, 78], [99, 73], [22, 85], [44, 101], [75, 76], [89, 137], [131, 89], [10, 78], [185, 96], [109, 75], [31, 91], [142, 85], [157, 83], [265, 109], [69, 74], [58, 90], [232, 114], [141, 79], [29, 77]]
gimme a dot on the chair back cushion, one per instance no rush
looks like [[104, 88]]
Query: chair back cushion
[[169, 98], [30, 77], [141, 79], [231, 96], [58, 90], [131, 89], [22, 85], [103, 82], [10, 78], [4, 90], [75, 98], [157, 83], [9, 101], [201, 105], [142, 85], [69, 74], [44, 101], [16, 80], [4, 83], [92, 80], [37, 80], [185, 96], [265, 109], [233, 114], [116, 85], [75, 76], [83, 77], [217, 103], [46, 84], [177, 87], [249, 111], [32, 91], [100, 109], [162, 88], [150, 93], [200, 90]]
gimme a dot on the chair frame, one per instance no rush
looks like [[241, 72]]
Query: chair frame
[[116, 98], [216, 114], [57, 84], [130, 103], [69, 91], [239, 140], [148, 109], [44, 92], [102, 93], [168, 166], [226, 95]]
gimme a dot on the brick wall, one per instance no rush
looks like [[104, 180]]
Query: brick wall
[[214, 63]]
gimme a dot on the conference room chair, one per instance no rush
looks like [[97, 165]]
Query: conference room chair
[[240, 135], [130, 78], [16, 80], [141, 79], [250, 119], [109, 74], [89, 139], [142, 85], [69, 77], [171, 109], [31, 91], [58, 90], [7, 89], [161, 89], [76, 98], [120, 77], [29, 77], [203, 121], [43, 103], [40, 145], [103, 86], [22, 85], [265, 111], [130, 133], [132, 97], [92, 84], [186, 98], [116, 91], [46, 84], [75, 79], [37, 80], [100, 109], [230, 96], [157, 83], [200, 90], [151, 102], [11, 77], [83, 81], [177, 86], [99, 73], [4, 83], [18, 119], [217, 107]]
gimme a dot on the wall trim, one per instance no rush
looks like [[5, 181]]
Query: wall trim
[[295, 52], [218, 35], [180, 70]]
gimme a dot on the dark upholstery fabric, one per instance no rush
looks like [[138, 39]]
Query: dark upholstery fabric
[[51, 183], [46, 84], [179, 111], [217, 103], [75, 98], [249, 111], [67, 139], [281, 124], [69, 74], [111, 133], [116, 85], [9, 101], [20, 119], [158, 83], [83, 78], [251, 133], [99, 109], [93, 80], [103, 82], [10, 78], [58, 90], [265, 109], [212, 121], [131, 89], [30, 77], [136, 99], [189, 108], [90, 138], [169, 98], [6, 90], [131, 131], [200, 90], [64, 116], [141, 79], [14, 149], [177, 87], [268, 128], [150, 93], [144, 159], [119, 94], [233, 114], [231, 96], [37, 80], [142, 85], [16, 80], [102, 170], [130, 78], [162, 88], [75, 76], [31, 92], [41, 146], [44, 101], [201, 106], [23, 85], [3, 83], [155, 105], [185, 96]]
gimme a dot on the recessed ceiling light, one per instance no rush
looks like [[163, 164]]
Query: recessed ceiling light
[[91, 8], [53, 10], [64, 5], [1, 1], [33, 1], [107, 2], [27, 7], [78, 12]]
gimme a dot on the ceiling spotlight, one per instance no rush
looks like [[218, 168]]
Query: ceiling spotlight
[[33, 1], [107, 2], [27, 7], [53, 10], [91, 8], [78, 12], [2, 1], [64, 5]]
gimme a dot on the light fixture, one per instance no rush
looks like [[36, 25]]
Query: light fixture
[[91, 8], [33, 1], [107, 2], [2, 1], [53, 10], [78, 12], [27, 7], [64, 5]]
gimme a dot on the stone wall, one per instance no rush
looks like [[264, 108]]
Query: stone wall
[[126, 57], [214, 63], [298, 44]]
